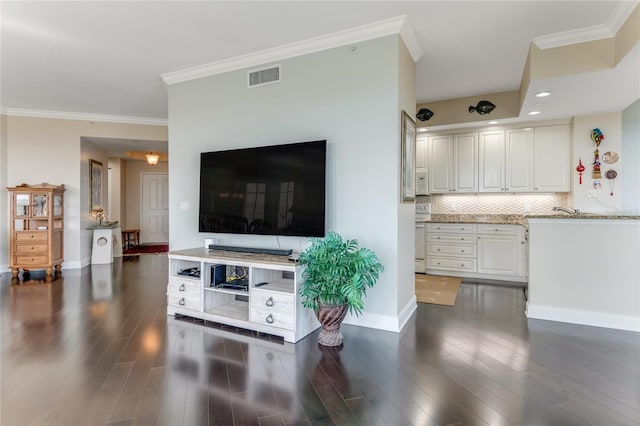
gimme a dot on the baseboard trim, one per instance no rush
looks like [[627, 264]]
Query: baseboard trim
[[385, 322], [575, 316], [71, 265]]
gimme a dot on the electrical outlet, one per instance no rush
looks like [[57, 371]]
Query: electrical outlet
[[452, 207], [592, 193], [527, 208]]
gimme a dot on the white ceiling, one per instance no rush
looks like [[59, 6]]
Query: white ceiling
[[107, 57]]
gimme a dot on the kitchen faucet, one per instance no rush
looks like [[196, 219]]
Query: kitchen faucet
[[566, 210]]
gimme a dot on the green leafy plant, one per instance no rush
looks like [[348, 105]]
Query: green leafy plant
[[337, 272]]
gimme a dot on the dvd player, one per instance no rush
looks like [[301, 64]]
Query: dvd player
[[279, 252]]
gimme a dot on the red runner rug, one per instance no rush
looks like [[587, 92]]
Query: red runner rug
[[146, 249]]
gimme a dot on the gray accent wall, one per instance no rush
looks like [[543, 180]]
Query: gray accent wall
[[350, 97], [630, 158]]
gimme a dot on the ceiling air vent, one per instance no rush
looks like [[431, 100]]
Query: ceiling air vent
[[265, 76]]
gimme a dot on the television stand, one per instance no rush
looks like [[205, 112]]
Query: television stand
[[277, 252], [271, 302]]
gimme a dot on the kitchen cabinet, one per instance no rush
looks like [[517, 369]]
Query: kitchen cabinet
[[453, 163], [497, 161], [420, 248], [506, 160], [501, 250], [421, 152], [497, 252], [552, 149], [451, 247]]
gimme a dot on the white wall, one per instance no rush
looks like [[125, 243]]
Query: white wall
[[48, 150], [351, 98], [4, 204], [630, 179], [88, 152]]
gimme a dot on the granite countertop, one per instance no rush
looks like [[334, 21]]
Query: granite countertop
[[519, 219]]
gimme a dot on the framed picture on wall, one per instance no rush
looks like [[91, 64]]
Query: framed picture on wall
[[408, 153], [95, 184]]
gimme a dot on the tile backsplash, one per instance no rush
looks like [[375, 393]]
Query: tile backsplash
[[495, 203]]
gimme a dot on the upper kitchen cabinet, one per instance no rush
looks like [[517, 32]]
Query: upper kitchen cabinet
[[453, 163], [506, 160], [552, 149], [421, 152]]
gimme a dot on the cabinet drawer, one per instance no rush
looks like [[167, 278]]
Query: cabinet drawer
[[497, 229], [183, 301], [458, 238], [272, 308], [31, 260], [452, 264], [31, 236], [458, 228], [184, 287], [455, 250], [30, 248]]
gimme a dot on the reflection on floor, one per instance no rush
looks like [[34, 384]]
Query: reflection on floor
[[96, 347]]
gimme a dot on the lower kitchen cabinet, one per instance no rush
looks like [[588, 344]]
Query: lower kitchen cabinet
[[485, 251]]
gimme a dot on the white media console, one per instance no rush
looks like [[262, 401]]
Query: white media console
[[272, 308]]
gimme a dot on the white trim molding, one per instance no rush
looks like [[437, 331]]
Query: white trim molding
[[385, 322], [64, 115], [575, 316], [597, 32], [398, 25]]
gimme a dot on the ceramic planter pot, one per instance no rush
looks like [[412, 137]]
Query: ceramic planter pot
[[330, 317]]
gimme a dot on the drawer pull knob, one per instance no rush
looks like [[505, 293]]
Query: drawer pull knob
[[181, 302], [269, 319], [437, 238], [269, 302], [32, 236], [462, 265], [438, 263], [462, 238], [461, 251], [497, 229], [462, 229], [182, 287], [438, 249]]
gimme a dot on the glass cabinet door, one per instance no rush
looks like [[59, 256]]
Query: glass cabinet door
[[23, 201], [40, 205], [57, 205]]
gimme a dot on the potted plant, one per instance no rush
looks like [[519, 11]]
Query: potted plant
[[336, 279]]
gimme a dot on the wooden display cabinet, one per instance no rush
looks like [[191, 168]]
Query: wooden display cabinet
[[37, 228]]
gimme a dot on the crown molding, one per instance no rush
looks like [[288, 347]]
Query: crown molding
[[597, 32], [63, 115], [398, 25]]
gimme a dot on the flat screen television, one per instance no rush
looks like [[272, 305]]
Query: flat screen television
[[269, 190]]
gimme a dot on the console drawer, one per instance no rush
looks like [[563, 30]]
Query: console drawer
[[31, 260], [455, 250], [183, 301], [184, 287], [451, 264], [465, 238], [32, 236], [497, 229], [272, 308], [30, 248], [458, 228]]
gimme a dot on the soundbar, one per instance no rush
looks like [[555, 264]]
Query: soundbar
[[278, 252]]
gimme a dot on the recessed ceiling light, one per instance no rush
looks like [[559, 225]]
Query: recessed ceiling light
[[493, 122], [422, 129], [542, 94], [534, 112]]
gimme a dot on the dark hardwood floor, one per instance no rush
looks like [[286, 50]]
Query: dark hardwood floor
[[96, 347]]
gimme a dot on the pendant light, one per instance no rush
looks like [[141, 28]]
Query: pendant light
[[152, 158]]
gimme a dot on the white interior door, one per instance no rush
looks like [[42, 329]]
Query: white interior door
[[154, 223]]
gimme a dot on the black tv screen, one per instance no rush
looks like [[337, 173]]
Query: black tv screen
[[270, 190]]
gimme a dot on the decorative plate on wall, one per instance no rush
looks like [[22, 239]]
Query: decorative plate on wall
[[610, 157]]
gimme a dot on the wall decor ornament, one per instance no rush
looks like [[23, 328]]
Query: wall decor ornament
[[611, 175], [610, 157], [424, 114], [483, 107], [580, 169], [596, 137]]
